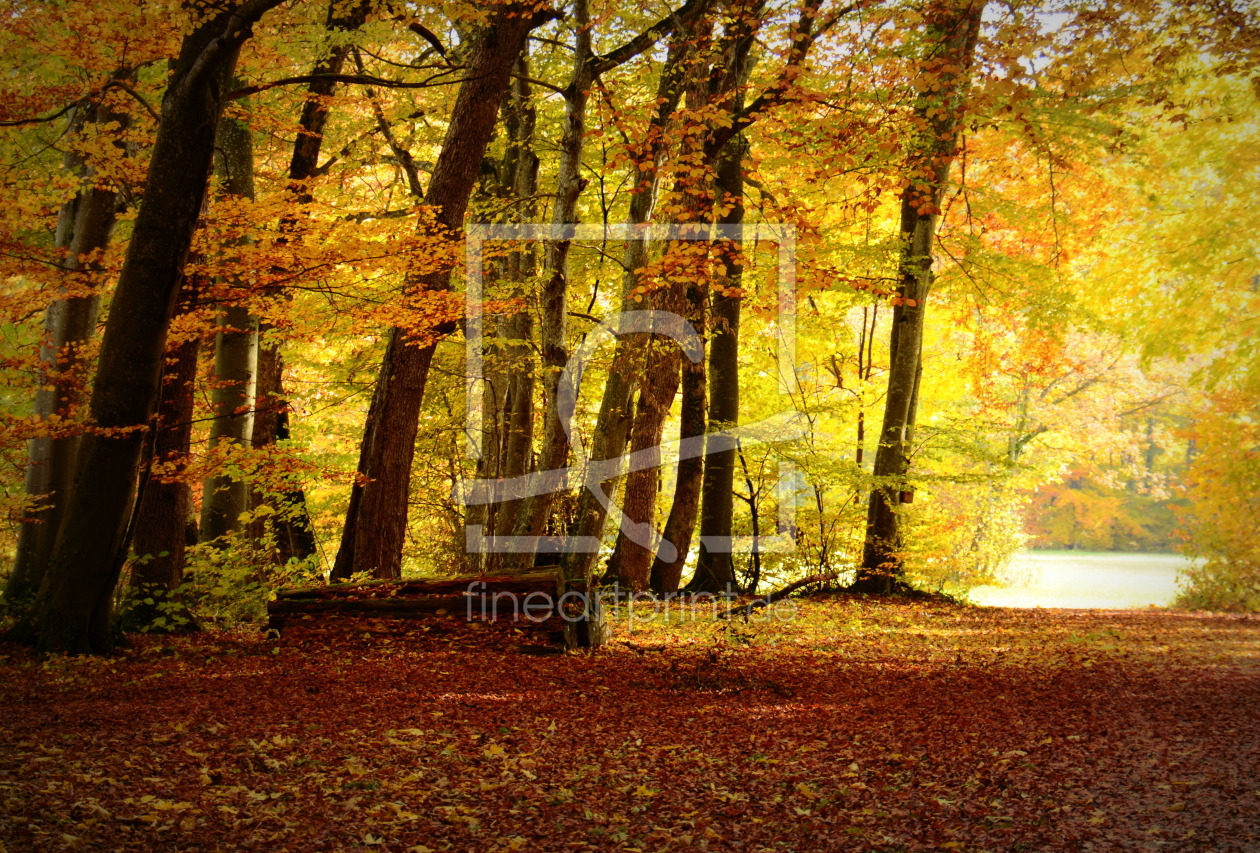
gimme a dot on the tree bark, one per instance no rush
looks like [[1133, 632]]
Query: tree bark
[[232, 395], [165, 504], [507, 440], [378, 501], [680, 525], [725, 86], [534, 512], [612, 425], [84, 227], [953, 27], [73, 611], [631, 562], [714, 568], [291, 524], [716, 471]]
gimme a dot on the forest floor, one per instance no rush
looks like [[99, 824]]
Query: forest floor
[[850, 726]]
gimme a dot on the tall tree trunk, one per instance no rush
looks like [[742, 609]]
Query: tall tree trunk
[[534, 511], [725, 85], [226, 496], [508, 404], [953, 27], [631, 562], [164, 512], [84, 226], [714, 569], [74, 609], [378, 501], [291, 524], [612, 425], [713, 476]]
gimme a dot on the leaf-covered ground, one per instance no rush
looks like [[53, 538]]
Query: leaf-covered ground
[[856, 726]]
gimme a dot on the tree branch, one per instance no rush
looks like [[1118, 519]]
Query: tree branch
[[18, 122], [803, 36], [233, 36], [767, 600], [646, 39], [405, 160], [428, 36], [535, 81], [118, 84], [354, 79]]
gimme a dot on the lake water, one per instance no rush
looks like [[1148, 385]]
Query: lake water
[[1083, 579]]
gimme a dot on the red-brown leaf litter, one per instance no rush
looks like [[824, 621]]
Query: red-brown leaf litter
[[854, 726]]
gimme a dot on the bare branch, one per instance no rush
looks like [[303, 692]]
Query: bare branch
[[646, 39], [543, 83], [353, 79], [18, 122], [138, 97], [428, 36]]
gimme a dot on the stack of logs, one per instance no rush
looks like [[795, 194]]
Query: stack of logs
[[530, 601]]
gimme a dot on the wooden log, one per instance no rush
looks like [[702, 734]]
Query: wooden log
[[777, 595], [543, 581], [476, 607], [527, 600], [366, 605]]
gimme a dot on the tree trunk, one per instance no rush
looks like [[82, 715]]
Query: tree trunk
[[73, 611], [291, 524], [534, 511], [165, 509], [508, 404], [226, 496], [754, 513], [726, 84], [84, 227], [954, 27], [714, 568], [680, 525], [615, 416], [378, 501], [631, 562]]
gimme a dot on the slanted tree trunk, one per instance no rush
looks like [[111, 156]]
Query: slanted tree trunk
[[378, 501], [225, 496], [74, 609], [165, 508], [953, 27], [680, 525], [631, 562], [84, 226]]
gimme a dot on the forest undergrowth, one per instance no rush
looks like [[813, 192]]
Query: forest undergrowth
[[839, 724]]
